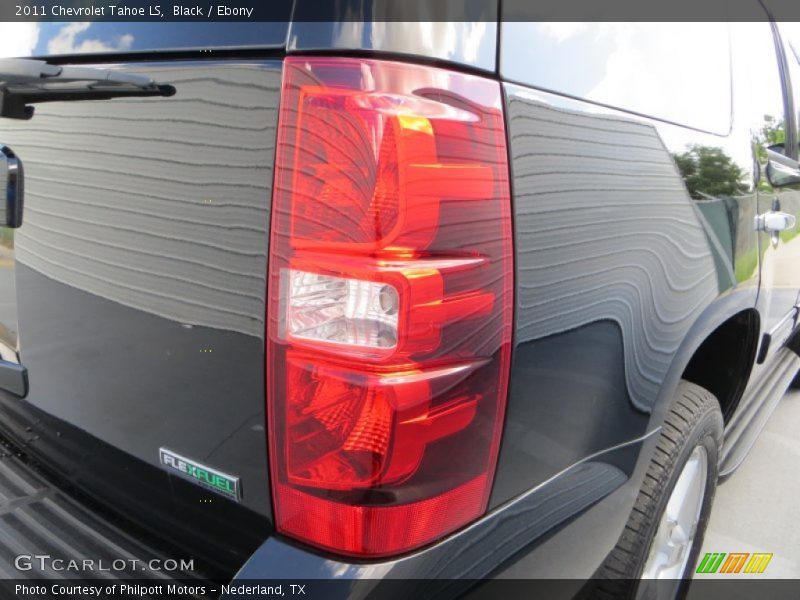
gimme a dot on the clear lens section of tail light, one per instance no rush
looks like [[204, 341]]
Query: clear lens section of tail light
[[338, 310], [390, 303]]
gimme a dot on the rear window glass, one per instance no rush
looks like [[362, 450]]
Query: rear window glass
[[678, 72], [48, 39]]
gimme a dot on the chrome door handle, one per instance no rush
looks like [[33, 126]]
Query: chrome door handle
[[774, 221]]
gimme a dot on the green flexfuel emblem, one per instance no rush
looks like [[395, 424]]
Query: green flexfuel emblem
[[209, 478]]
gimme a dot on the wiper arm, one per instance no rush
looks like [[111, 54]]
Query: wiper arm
[[24, 82]]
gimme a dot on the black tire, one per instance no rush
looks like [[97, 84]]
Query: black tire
[[693, 418]]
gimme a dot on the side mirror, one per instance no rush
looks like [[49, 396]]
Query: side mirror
[[782, 170], [12, 186]]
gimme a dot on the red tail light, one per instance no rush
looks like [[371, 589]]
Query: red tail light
[[390, 303]]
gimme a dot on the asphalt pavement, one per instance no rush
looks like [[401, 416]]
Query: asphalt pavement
[[757, 509]]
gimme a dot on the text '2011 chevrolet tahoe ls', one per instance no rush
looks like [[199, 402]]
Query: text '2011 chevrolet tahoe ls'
[[392, 301]]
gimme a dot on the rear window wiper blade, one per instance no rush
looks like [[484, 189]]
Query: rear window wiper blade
[[24, 82]]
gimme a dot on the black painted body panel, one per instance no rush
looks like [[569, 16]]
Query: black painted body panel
[[611, 227], [615, 264], [567, 401], [140, 284], [476, 551], [97, 40]]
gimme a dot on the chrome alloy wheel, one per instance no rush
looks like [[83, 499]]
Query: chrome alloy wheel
[[672, 545]]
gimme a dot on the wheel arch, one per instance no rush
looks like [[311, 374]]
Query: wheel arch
[[703, 348]]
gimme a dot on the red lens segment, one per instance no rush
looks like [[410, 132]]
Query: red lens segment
[[390, 303]]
